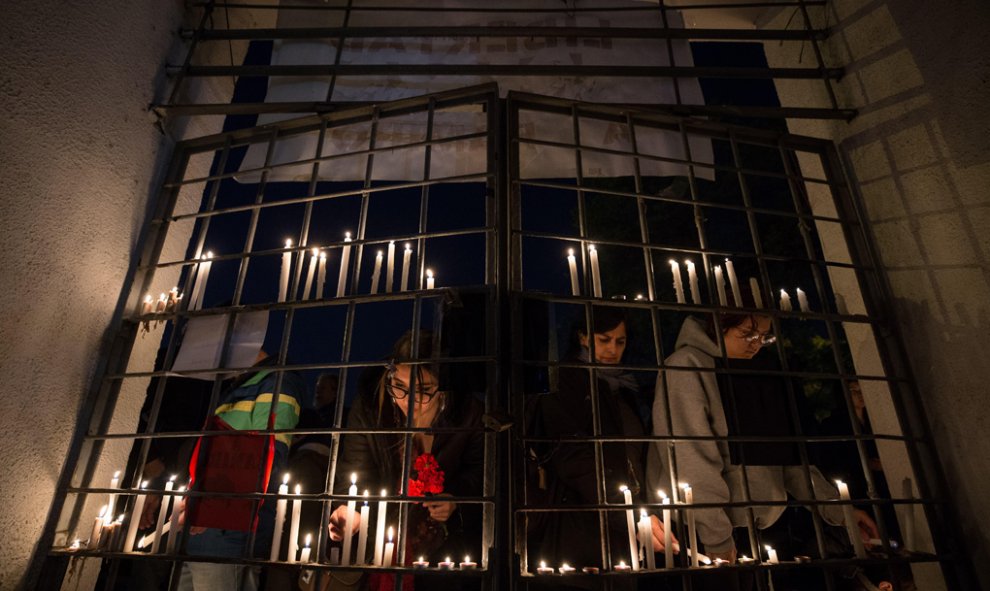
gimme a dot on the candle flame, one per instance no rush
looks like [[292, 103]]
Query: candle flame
[[380, 254], [642, 512], [783, 292], [391, 242], [570, 252], [447, 559], [673, 262], [467, 558], [288, 244], [392, 533], [429, 273], [353, 477], [623, 488], [661, 494], [103, 510], [767, 546], [591, 247], [543, 564], [144, 484], [323, 256], [366, 494], [148, 298], [162, 297], [298, 489], [182, 488], [316, 251], [116, 474], [409, 248], [622, 563], [309, 538], [285, 479], [684, 485], [347, 236], [172, 479], [421, 559], [384, 493]]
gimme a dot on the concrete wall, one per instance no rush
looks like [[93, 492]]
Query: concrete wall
[[919, 73]]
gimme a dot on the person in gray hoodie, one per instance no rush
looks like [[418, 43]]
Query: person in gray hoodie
[[688, 403]]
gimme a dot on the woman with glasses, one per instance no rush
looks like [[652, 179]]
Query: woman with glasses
[[437, 528], [710, 402]]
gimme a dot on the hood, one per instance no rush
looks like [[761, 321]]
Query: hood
[[693, 335]]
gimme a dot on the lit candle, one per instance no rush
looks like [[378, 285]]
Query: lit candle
[[310, 272], [646, 539], [720, 286], [162, 511], [115, 529], [112, 501], [566, 569], [380, 529], [132, 527], [345, 262], [668, 546], [430, 280], [446, 564], [693, 282], [468, 564], [630, 526], [345, 556], [174, 523], [692, 532], [362, 548], [283, 280], [76, 545], [94, 538], [639, 297], [304, 556], [754, 286], [785, 301], [771, 555], [589, 570], [173, 300], [406, 262], [596, 275], [390, 547], [376, 275], [390, 267], [849, 516], [543, 569], [321, 276], [572, 265], [621, 567], [803, 300], [294, 526], [161, 303], [148, 305], [421, 563], [746, 560], [730, 269], [283, 490], [675, 270], [201, 283], [147, 539]]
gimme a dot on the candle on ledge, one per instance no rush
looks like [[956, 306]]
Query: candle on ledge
[[785, 301], [376, 275], [390, 548], [421, 563], [675, 270], [596, 275], [380, 529], [174, 523], [362, 547], [112, 501], [639, 297], [148, 305], [304, 556], [198, 282], [345, 555], [446, 564], [294, 526], [646, 539], [390, 267], [310, 272], [543, 569], [468, 564], [849, 516], [746, 560], [161, 303], [283, 490], [668, 546], [205, 278], [720, 286], [803, 300], [630, 526], [771, 555], [590, 570], [321, 276], [283, 279], [692, 531], [132, 527], [730, 269], [75, 546], [572, 267], [406, 262], [345, 260], [173, 300], [566, 569], [693, 282], [430, 280], [162, 511], [754, 286], [621, 567], [94, 538]]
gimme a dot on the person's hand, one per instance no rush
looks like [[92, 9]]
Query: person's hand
[[180, 506], [338, 523], [729, 556], [440, 510], [150, 512], [658, 535], [867, 527]]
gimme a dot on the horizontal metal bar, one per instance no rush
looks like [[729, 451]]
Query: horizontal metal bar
[[571, 439], [468, 70], [336, 33], [790, 502], [569, 9]]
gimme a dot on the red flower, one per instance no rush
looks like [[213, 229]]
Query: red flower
[[428, 479]]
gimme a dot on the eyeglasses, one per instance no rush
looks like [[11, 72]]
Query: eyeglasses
[[424, 392], [753, 335]]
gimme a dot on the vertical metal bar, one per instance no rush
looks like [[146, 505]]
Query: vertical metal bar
[[818, 53], [365, 197], [207, 15], [341, 41], [670, 50], [644, 231]]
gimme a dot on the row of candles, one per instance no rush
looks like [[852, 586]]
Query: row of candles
[[785, 303]]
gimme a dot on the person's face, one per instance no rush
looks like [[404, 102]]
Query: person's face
[[856, 393], [609, 345], [326, 391], [398, 386], [746, 340]]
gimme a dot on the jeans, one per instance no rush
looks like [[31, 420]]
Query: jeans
[[204, 576]]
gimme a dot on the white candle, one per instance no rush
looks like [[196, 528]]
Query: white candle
[[849, 515], [147, 539], [148, 305], [76, 545], [112, 501], [430, 280], [621, 567], [321, 276], [162, 511], [390, 267], [693, 282], [380, 529], [754, 286], [406, 262], [345, 262], [283, 490], [734, 283], [771, 555], [746, 560], [785, 301], [174, 523], [304, 556], [630, 526], [161, 303], [646, 538], [198, 282], [572, 266], [421, 563], [692, 531], [720, 286], [596, 275], [345, 556], [173, 300], [362, 548], [132, 527], [446, 564], [310, 272], [94, 538], [543, 569], [566, 569], [803, 300], [675, 270], [377, 274], [283, 280], [294, 526], [389, 547], [468, 564], [206, 277], [668, 546]]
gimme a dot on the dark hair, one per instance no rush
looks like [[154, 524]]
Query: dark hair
[[402, 352], [729, 320], [603, 319]]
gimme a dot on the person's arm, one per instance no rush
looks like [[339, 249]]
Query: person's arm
[[355, 457], [567, 412]]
